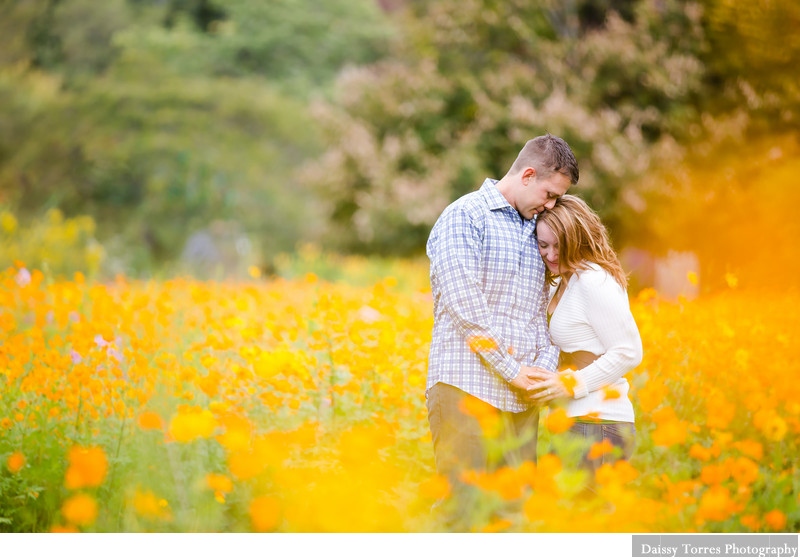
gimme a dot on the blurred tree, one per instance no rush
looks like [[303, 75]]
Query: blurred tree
[[71, 36], [298, 44], [164, 118], [753, 59], [713, 185], [477, 78], [156, 162]]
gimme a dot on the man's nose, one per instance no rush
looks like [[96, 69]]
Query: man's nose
[[550, 204]]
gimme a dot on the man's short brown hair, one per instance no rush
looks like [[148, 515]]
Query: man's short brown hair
[[547, 154]]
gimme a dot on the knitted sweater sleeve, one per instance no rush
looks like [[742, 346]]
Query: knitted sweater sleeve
[[607, 310]]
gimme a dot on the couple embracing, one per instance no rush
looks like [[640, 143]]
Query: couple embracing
[[530, 309]]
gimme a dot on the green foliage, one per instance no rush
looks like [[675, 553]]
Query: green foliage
[[51, 243], [476, 81], [165, 120], [296, 44], [156, 162], [753, 57]]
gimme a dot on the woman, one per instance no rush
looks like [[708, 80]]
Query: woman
[[590, 320]]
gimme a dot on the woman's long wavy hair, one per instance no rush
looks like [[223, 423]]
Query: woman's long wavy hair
[[582, 239]]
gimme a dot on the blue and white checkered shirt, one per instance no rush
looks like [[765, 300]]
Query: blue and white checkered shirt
[[489, 299]]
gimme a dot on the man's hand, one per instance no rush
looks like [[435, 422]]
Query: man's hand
[[527, 377]]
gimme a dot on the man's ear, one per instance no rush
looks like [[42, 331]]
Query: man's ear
[[528, 175]]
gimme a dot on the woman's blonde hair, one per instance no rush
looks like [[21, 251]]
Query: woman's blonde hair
[[582, 239]]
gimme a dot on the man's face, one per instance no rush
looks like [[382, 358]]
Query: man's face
[[538, 193]]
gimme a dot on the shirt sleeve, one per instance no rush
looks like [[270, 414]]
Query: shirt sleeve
[[608, 312], [456, 262]]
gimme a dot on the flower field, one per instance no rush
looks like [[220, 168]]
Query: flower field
[[298, 405]]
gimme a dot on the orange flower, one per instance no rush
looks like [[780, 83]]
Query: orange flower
[[436, 487], [569, 381], [770, 424], [548, 467], [751, 448], [245, 465], [714, 473], [476, 407], [80, 510], [744, 471], [669, 430], [621, 472], [776, 520], [496, 526], [150, 420], [265, 513], [507, 483], [481, 344], [720, 412], [599, 449], [610, 393], [750, 521], [715, 504], [15, 462], [87, 467], [700, 452], [558, 422], [237, 435], [651, 395], [486, 414]]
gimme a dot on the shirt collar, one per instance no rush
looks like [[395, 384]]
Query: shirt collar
[[493, 198]]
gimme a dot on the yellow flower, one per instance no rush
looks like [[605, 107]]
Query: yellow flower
[[770, 424], [436, 487], [219, 482], [148, 505], [8, 222], [192, 423]]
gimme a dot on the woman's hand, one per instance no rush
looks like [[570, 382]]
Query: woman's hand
[[547, 386]]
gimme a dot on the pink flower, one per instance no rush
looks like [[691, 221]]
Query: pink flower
[[23, 277]]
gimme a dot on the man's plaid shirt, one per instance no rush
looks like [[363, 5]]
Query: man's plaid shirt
[[489, 299]]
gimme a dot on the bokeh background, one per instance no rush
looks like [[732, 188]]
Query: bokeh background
[[214, 306], [163, 137]]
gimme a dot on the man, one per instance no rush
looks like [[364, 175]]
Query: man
[[490, 301]]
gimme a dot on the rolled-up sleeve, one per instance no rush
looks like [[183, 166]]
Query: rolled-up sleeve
[[456, 262]]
